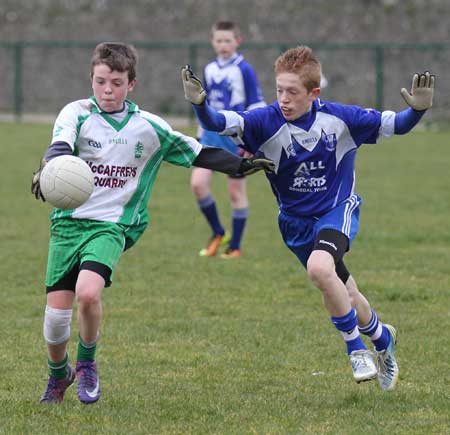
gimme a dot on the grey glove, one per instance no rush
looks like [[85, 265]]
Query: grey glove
[[192, 85], [35, 184], [255, 164], [422, 91]]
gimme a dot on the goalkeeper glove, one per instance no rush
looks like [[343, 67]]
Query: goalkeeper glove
[[422, 91], [255, 164], [35, 183], [192, 85]]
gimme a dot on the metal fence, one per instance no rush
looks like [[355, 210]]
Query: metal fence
[[42, 76]]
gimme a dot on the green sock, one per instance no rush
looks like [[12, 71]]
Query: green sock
[[86, 351], [58, 370]]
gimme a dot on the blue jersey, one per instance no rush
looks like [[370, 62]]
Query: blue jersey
[[314, 155], [230, 85]]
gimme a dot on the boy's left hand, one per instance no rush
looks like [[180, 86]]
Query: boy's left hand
[[255, 164], [422, 91], [192, 85]]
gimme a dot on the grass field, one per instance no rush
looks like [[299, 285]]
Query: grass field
[[203, 346]]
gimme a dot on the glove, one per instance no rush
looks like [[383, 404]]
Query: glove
[[192, 85], [255, 164], [35, 185], [422, 91]]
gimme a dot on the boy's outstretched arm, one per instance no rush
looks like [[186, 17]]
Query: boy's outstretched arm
[[218, 159], [209, 118], [419, 99]]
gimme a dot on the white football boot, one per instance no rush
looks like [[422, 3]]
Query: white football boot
[[363, 365], [387, 364]]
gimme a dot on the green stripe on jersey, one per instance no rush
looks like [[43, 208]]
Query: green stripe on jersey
[[174, 148], [135, 211]]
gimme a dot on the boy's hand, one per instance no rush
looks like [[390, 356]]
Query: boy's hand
[[192, 85], [422, 91], [35, 184], [255, 164]]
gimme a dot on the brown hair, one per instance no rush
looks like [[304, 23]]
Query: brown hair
[[118, 56], [302, 61], [226, 25]]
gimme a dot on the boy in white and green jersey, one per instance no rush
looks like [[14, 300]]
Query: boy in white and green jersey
[[124, 146]]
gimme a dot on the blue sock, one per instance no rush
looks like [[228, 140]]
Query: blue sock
[[239, 217], [209, 210], [377, 332], [348, 327]]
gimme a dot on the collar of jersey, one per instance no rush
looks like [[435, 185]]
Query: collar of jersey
[[307, 119], [236, 58], [132, 108]]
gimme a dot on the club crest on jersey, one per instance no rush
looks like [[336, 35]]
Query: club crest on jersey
[[290, 150], [329, 140], [138, 149]]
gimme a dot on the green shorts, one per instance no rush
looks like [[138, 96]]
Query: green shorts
[[74, 241]]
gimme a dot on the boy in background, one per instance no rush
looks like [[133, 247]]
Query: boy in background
[[231, 84]]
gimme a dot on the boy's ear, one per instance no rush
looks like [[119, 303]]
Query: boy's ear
[[131, 85], [315, 92]]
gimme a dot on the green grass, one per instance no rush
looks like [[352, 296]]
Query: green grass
[[203, 346]]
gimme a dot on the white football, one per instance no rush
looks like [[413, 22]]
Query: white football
[[66, 182]]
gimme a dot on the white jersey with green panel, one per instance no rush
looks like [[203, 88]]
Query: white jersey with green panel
[[124, 157]]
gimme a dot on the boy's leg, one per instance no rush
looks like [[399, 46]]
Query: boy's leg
[[321, 269], [200, 185], [88, 291], [300, 236], [237, 188], [57, 319], [98, 258], [383, 337]]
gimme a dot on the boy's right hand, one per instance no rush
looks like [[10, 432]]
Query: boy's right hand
[[192, 85], [35, 183]]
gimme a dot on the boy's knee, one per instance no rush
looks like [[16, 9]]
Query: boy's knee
[[319, 271], [87, 296], [199, 188], [57, 325]]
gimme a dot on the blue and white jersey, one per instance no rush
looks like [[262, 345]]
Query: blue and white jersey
[[232, 84], [314, 155]]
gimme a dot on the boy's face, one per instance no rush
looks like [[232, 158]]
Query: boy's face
[[225, 43], [292, 96], [110, 87]]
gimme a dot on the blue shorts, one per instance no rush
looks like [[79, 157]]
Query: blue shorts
[[299, 233], [214, 139]]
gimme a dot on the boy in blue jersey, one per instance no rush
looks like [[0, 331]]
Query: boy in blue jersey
[[313, 144], [231, 84], [125, 147]]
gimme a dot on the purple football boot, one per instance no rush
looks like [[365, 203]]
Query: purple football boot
[[57, 387], [89, 390]]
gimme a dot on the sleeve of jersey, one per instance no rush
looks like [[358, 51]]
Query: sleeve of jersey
[[244, 128], [253, 94], [406, 120], [66, 125], [209, 118], [177, 148], [366, 125], [183, 150]]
